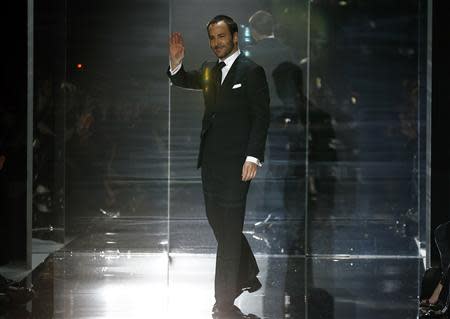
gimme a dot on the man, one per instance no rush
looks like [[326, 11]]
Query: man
[[233, 136]]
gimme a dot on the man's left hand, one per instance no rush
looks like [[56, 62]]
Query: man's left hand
[[249, 171]]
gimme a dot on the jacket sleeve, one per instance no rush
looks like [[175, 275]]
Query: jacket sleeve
[[258, 95], [186, 79]]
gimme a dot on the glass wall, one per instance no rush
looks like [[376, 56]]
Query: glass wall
[[336, 214], [49, 131], [365, 83], [364, 78]]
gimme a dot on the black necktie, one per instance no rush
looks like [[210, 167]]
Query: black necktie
[[219, 74]]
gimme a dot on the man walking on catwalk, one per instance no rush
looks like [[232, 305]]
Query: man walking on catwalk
[[233, 137]]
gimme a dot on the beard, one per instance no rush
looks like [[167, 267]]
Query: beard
[[223, 51]]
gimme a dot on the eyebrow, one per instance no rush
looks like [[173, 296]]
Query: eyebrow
[[219, 34]]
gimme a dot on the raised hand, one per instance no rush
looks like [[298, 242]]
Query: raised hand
[[176, 49]]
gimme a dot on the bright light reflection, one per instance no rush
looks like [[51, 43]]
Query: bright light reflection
[[135, 300], [156, 300], [189, 294], [191, 287], [144, 292], [189, 301]]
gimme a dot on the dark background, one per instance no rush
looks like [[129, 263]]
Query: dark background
[[440, 145]]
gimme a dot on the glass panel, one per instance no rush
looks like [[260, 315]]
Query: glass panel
[[100, 146], [364, 127], [50, 33], [275, 210], [116, 125], [278, 192], [366, 157], [424, 125], [105, 95]]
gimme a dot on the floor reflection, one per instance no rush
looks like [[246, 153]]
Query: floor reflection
[[131, 278]]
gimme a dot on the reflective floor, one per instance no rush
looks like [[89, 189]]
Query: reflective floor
[[122, 270]]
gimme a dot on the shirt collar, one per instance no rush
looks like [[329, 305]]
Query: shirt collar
[[230, 60]]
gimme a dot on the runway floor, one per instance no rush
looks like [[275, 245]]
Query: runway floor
[[125, 271]]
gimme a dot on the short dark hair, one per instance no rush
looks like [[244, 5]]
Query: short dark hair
[[262, 22], [232, 26]]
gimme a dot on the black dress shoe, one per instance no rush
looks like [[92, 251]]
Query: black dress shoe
[[226, 312]]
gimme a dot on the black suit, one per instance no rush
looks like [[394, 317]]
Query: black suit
[[234, 126]]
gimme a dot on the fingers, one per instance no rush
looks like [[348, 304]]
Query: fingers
[[249, 171], [176, 39], [176, 43], [176, 49], [180, 38], [172, 39]]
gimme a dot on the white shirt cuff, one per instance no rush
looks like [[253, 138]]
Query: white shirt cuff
[[253, 160], [174, 71]]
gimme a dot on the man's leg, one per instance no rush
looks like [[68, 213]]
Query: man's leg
[[248, 268], [236, 266], [226, 223], [225, 208]]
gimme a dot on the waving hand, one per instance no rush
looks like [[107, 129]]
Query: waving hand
[[176, 49]]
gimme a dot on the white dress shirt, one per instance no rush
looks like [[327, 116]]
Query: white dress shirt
[[228, 63]]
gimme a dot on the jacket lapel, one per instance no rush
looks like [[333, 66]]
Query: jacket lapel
[[212, 95], [229, 79]]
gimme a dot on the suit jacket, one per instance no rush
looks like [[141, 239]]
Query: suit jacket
[[236, 116]]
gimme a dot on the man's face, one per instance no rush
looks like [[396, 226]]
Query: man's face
[[221, 41]]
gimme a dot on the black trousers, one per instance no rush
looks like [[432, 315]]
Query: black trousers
[[225, 197]]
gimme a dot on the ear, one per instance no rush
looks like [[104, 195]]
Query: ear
[[235, 38]]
